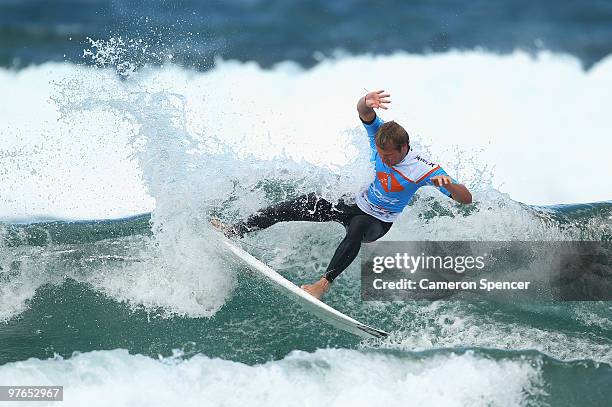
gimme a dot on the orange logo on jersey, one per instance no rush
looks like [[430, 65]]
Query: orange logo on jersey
[[384, 179]]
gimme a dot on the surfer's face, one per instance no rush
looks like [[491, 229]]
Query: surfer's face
[[392, 156]]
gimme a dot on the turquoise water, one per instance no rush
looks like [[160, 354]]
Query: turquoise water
[[561, 352], [151, 310]]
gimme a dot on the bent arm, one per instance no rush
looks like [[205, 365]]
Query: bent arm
[[459, 193]]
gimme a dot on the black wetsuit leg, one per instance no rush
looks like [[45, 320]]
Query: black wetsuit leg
[[308, 207], [360, 227]]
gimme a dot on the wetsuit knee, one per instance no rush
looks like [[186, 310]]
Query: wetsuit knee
[[364, 228]]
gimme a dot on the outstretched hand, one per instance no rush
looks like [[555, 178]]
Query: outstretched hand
[[377, 99]]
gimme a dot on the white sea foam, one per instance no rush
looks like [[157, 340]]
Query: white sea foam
[[539, 123], [79, 142], [327, 377], [455, 323]]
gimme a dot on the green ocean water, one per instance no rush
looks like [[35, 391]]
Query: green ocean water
[[219, 109], [67, 309]]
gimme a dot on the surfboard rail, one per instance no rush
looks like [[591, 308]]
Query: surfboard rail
[[307, 301]]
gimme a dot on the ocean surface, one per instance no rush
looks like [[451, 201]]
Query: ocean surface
[[126, 125]]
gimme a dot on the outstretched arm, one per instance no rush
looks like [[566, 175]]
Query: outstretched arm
[[372, 100], [458, 191]]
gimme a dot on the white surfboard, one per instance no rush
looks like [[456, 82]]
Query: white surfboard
[[310, 303]]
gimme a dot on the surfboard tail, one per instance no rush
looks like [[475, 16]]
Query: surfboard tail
[[377, 333]]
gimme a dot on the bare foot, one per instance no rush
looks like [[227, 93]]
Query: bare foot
[[317, 289], [227, 230]]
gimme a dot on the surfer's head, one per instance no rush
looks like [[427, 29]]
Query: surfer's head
[[392, 143]]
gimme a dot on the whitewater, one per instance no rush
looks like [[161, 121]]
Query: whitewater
[[536, 123], [111, 282]]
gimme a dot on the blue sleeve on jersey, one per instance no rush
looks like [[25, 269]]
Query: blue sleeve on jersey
[[427, 181], [372, 128]]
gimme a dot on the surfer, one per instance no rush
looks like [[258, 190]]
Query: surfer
[[399, 173]]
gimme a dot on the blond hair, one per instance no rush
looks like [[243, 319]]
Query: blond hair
[[391, 133]]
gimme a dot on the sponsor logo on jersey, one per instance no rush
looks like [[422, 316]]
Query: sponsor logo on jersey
[[389, 182], [424, 161]]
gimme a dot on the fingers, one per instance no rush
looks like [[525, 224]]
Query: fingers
[[441, 180], [379, 103], [377, 99], [380, 93]]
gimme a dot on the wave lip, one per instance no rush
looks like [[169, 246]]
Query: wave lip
[[503, 112]]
